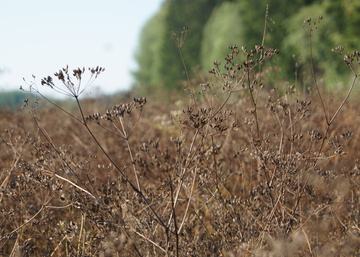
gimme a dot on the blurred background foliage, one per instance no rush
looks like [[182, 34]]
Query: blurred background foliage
[[13, 100], [215, 24]]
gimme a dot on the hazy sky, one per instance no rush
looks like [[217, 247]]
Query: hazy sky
[[41, 36]]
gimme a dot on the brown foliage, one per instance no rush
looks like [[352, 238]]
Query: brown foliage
[[239, 169], [227, 191]]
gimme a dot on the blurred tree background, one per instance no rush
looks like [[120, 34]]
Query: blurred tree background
[[215, 24]]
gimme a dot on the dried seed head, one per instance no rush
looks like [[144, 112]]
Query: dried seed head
[[338, 50], [140, 102], [60, 75]]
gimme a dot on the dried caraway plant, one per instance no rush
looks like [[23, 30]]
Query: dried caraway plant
[[240, 170], [117, 118]]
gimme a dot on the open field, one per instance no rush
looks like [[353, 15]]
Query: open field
[[207, 183], [239, 165]]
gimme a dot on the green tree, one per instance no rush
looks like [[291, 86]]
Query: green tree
[[183, 13], [147, 55], [338, 27], [346, 22], [222, 29], [215, 24], [13, 100], [252, 13]]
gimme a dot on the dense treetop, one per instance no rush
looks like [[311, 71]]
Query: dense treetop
[[215, 24]]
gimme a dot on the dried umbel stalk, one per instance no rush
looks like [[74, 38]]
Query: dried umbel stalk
[[73, 84], [310, 25], [120, 116], [236, 67]]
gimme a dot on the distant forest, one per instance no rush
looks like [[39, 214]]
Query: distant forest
[[215, 24], [13, 100]]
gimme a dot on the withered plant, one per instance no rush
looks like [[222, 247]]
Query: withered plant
[[240, 168]]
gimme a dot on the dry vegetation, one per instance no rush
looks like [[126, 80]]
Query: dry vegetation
[[236, 169]]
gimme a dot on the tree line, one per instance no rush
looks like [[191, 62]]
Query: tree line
[[215, 24]]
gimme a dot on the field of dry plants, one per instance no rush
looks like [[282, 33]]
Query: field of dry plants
[[232, 168]]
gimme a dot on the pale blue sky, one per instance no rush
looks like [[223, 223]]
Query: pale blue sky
[[41, 36]]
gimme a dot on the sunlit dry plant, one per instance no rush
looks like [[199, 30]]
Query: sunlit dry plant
[[121, 122], [68, 86], [240, 170]]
